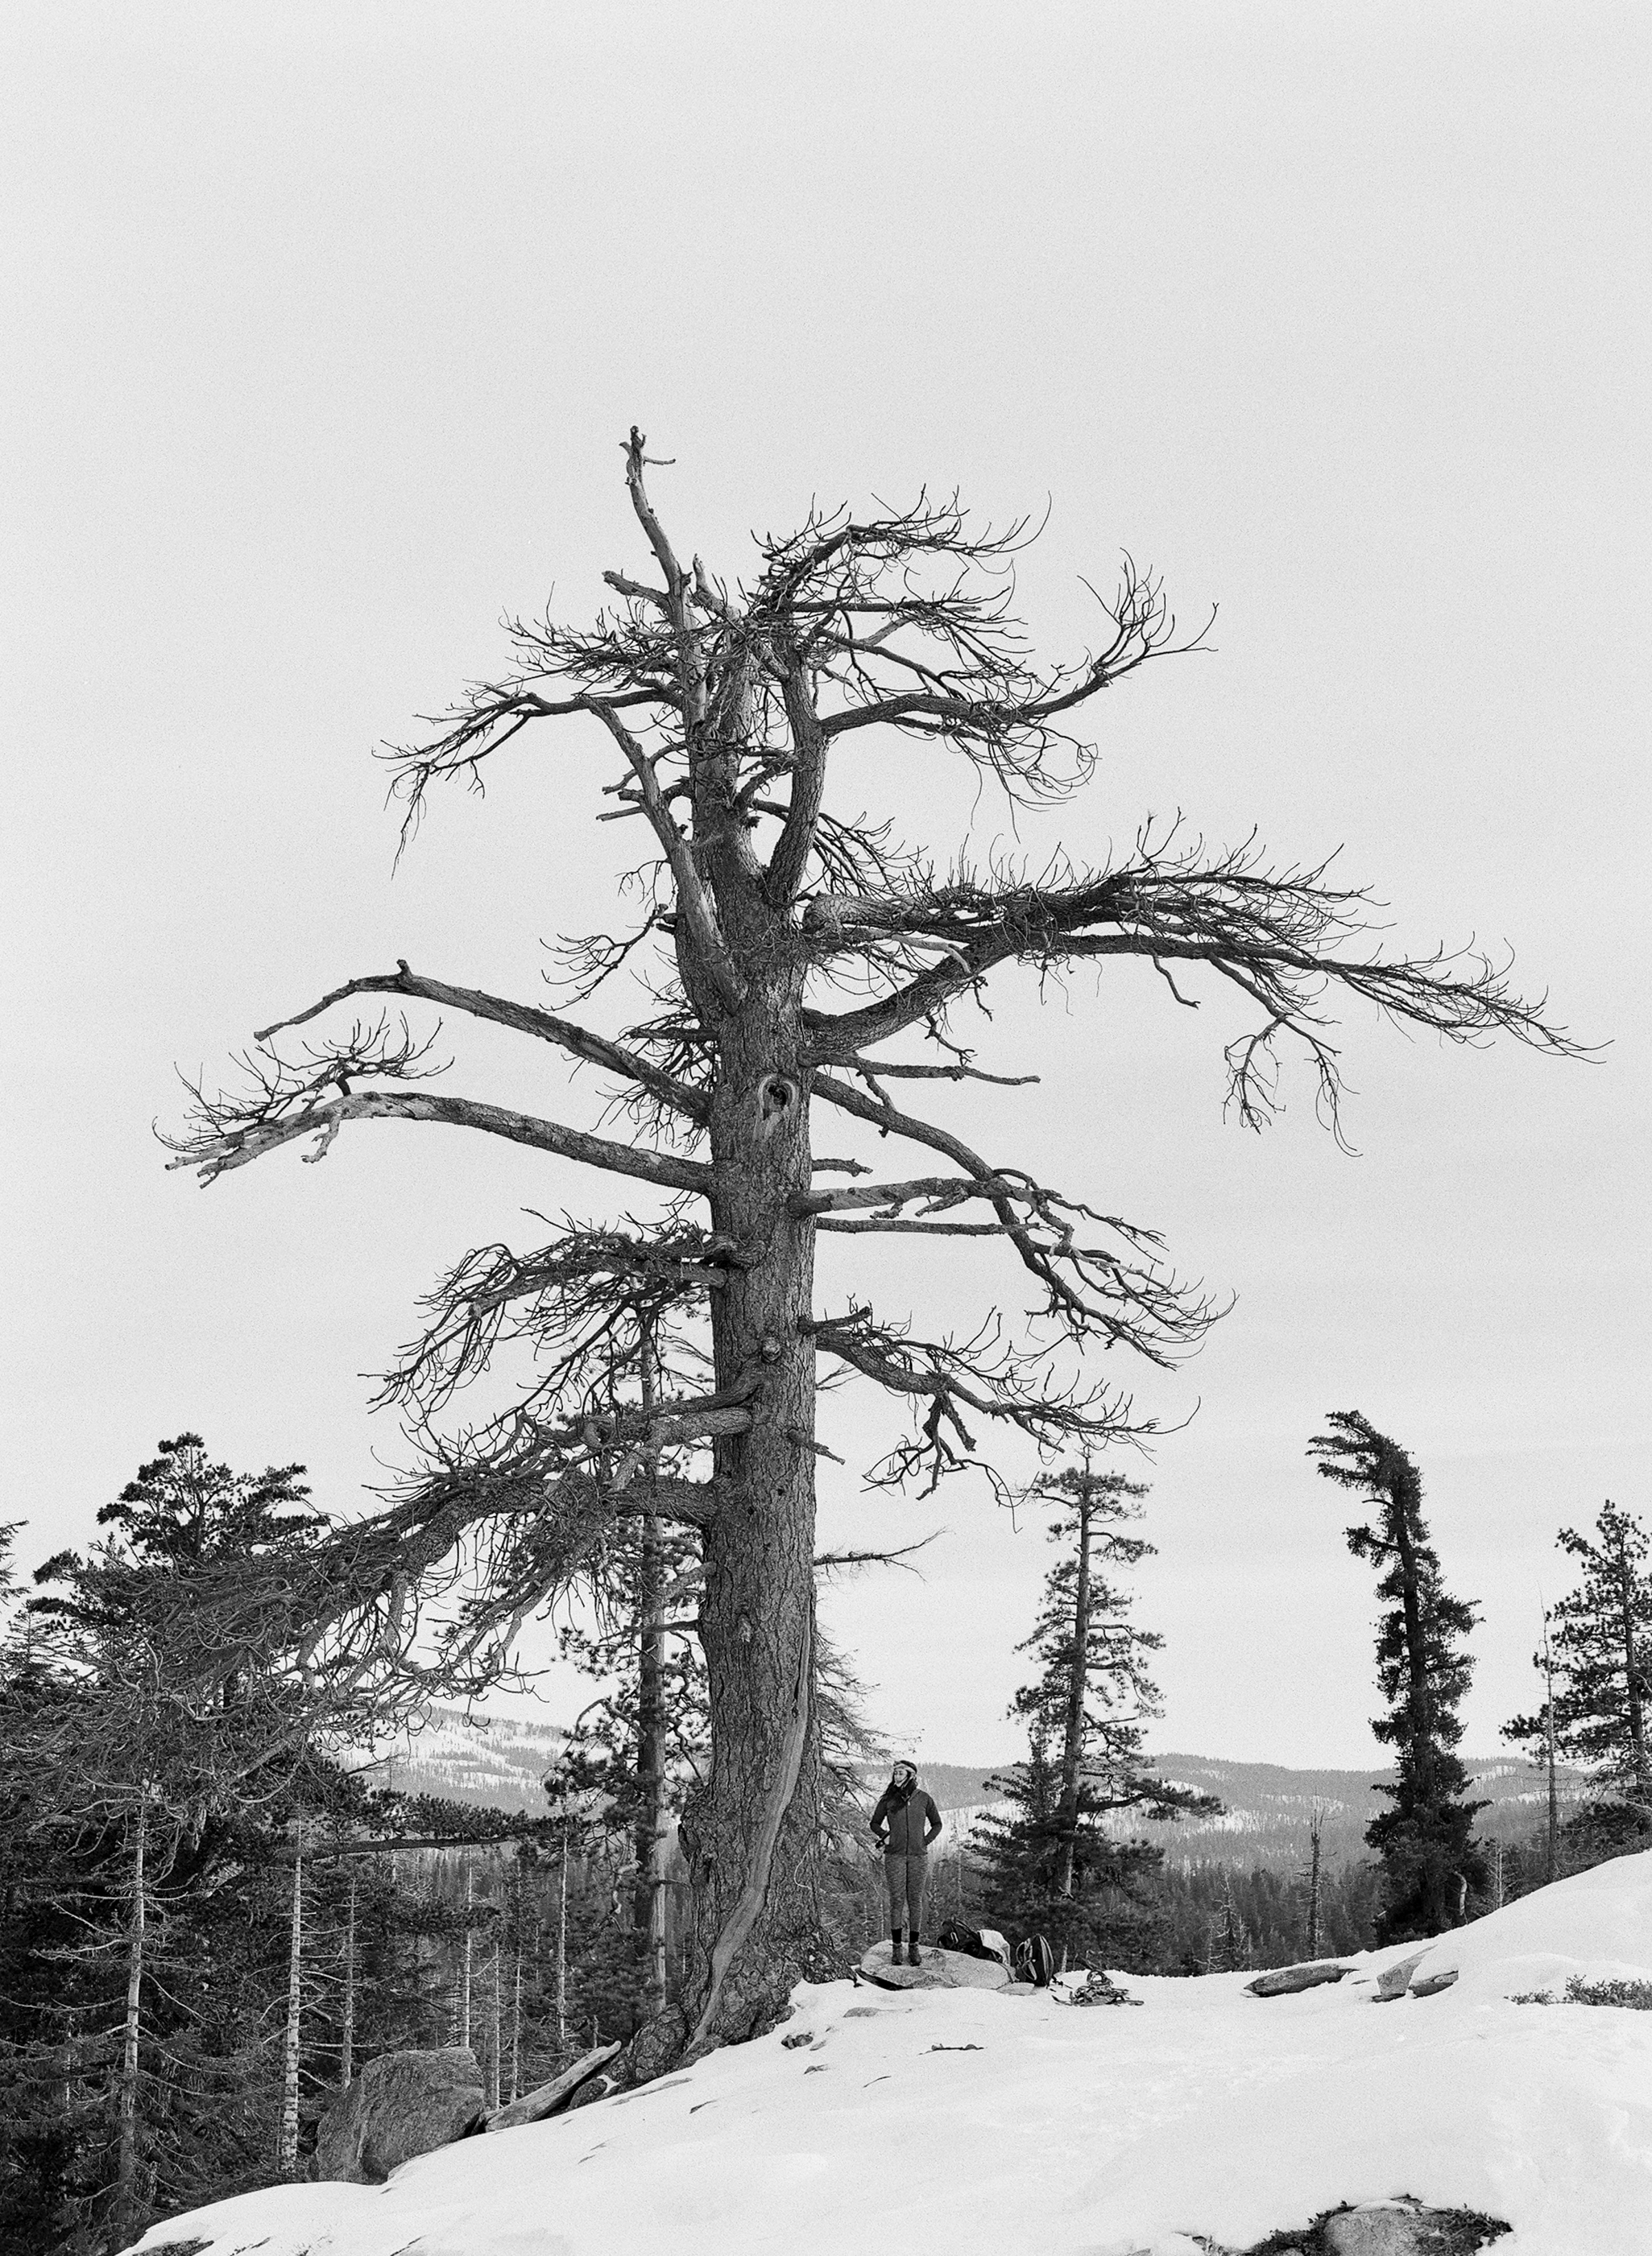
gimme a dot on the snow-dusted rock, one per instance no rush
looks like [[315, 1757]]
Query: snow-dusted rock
[[546, 2099], [401, 2105], [1394, 1981], [1283, 1981], [1429, 1985], [940, 1970]]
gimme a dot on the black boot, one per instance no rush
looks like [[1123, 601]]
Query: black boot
[[895, 1948], [914, 1956]]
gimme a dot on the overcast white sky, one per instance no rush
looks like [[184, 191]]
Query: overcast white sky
[[323, 325]]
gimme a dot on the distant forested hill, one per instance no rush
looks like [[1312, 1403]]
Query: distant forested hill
[[499, 1762], [1267, 1806]]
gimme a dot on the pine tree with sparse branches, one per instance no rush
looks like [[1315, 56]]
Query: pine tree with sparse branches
[[1061, 1864]]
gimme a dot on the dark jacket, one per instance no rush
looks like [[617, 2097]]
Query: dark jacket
[[906, 1822]]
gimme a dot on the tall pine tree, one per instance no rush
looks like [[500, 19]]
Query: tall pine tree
[[1430, 1859], [1059, 1864]]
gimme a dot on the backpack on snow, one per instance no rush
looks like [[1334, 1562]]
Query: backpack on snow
[[1034, 1961]]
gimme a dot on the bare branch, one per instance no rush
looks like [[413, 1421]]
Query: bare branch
[[840, 1562], [981, 1378], [1283, 938], [225, 1133], [692, 898], [1122, 1296], [521, 1018]]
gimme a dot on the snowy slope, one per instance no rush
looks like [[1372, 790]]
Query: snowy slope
[[979, 2122], [499, 1762]]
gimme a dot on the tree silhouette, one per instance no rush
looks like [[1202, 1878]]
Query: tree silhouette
[[1429, 1858]]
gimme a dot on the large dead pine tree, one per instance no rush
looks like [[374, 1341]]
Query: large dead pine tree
[[794, 947]]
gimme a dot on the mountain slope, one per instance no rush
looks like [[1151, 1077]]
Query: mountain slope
[[975, 2121], [1267, 1807], [500, 1761]]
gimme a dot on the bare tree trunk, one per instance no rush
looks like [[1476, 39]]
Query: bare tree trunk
[[1419, 1702], [464, 1972], [288, 2153], [751, 1833], [1077, 1679], [516, 2022], [347, 2047], [494, 2045], [562, 1953], [126, 2164], [1552, 1861], [651, 1830], [1316, 1833]]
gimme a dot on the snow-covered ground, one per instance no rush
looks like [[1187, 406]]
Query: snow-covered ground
[[972, 2121]]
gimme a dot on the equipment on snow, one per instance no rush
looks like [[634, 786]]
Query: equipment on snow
[[1034, 1961], [971, 1943]]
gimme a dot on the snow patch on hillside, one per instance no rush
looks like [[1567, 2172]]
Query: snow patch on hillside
[[981, 2122]]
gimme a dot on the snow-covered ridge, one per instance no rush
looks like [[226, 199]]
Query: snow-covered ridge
[[976, 2121], [500, 1761]]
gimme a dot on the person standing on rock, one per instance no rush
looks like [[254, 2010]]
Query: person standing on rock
[[903, 1825]]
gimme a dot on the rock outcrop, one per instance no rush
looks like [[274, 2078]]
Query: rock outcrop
[[1405, 2228], [1387, 2228], [551, 2099], [401, 2105], [1395, 1980], [1283, 1981], [1431, 1985], [940, 1970]]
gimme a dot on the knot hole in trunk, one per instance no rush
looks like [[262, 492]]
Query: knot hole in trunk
[[776, 1100]]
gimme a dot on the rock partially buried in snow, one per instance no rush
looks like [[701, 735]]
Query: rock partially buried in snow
[[940, 1970], [1431, 1985], [1282, 1981], [1395, 1981], [401, 2105], [1405, 2228], [550, 2098]]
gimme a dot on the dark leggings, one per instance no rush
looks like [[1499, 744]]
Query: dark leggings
[[905, 1878]]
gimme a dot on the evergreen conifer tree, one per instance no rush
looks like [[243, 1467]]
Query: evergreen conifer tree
[[1057, 1864], [1598, 1676], [1430, 1859]]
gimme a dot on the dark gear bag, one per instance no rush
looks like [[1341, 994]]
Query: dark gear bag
[[1034, 1961], [963, 1939]]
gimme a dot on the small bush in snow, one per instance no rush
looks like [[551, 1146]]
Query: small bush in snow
[[1638, 1995]]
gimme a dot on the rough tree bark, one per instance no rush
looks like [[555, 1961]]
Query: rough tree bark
[[651, 1835], [788, 944]]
